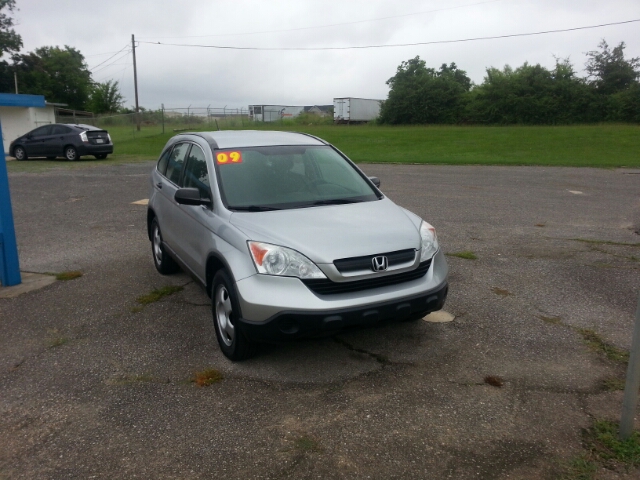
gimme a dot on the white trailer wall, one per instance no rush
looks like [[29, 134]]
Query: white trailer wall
[[16, 121], [350, 109]]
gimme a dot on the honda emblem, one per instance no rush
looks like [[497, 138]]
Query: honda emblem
[[379, 264]]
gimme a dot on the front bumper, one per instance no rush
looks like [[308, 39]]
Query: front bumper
[[290, 325], [276, 308]]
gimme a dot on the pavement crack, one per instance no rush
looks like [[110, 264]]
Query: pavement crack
[[382, 359]]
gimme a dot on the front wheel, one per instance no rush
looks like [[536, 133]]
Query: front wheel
[[225, 309], [19, 153], [161, 259], [70, 153], [102, 156]]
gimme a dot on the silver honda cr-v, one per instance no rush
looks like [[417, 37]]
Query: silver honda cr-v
[[289, 238]]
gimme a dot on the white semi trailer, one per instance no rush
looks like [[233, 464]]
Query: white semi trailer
[[349, 109]]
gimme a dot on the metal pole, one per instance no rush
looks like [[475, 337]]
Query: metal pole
[[163, 118], [9, 262], [15, 79], [632, 384], [135, 80]]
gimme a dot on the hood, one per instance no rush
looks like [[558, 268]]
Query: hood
[[327, 233]]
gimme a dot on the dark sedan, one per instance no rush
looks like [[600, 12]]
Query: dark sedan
[[62, 140]]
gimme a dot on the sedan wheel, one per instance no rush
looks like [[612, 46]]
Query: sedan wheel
[[19, 153], [70, 153]]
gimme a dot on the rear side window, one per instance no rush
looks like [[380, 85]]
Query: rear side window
[[176, 162], [60, 130], [196, 174], [164, 161]]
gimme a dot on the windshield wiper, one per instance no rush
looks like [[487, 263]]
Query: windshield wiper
[[337, 201], [253, 208]]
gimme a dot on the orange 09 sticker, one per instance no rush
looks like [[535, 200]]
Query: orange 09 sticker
[[228, 157]]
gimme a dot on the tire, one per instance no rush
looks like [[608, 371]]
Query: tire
[[225, 310], [102, 156], [19, 153], [161, 259], [70, 153]]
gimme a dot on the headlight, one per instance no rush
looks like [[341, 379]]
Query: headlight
[[429, 241], [275, 260]]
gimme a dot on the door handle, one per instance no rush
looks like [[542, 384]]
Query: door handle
[[159, 184]]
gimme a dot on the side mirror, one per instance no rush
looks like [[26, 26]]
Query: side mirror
[[190, 196], [375, 181]]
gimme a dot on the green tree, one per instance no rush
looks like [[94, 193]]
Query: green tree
[[105, 97], [424, 95], [10, 41], [60, 74], [609, 71], [531, 94]]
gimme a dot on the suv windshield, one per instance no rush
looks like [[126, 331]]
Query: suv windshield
[[273, 178]]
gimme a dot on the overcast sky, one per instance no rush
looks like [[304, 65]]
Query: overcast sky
[[183, 76]]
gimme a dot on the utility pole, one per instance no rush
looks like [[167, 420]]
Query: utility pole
[[15, 79], [135, 80]]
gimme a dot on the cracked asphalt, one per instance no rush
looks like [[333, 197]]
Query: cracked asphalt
[[94, 385]]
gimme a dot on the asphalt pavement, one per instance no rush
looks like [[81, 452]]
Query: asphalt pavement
[[95, 385]]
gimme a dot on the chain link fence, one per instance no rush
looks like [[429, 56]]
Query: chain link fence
[[156, 122]]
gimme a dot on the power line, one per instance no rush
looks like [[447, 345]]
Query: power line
[[126, 46], [96, 70], [333, 24], [435, 42]]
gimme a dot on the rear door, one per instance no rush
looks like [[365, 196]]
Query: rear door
[[53, 143]]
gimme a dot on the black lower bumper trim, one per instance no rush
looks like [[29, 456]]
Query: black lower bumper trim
[[292, 324]]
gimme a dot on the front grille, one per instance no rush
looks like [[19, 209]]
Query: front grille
[[328, 287], [345, 265]]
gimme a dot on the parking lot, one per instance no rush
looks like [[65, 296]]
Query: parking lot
[[95, 384]]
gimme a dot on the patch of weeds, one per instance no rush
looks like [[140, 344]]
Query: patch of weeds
[[580, 468], [634, 258], [58, 342], [501, 291], [467, 255], [207, 377], [551, 320], [158, 294], [603, 444], [605, 242], [493, 381], [595, 342], [612, 384], [72, 275], [136, 309], [307, 444]]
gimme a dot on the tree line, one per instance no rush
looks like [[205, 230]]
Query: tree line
[[60, 74], [529, 94]]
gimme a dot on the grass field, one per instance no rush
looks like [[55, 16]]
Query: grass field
[[604, 146]]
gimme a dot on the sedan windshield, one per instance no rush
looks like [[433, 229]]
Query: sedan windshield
[[272, 178]]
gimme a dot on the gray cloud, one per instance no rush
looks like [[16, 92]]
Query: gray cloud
[[178, 76]]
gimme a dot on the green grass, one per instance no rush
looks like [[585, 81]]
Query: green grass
[[605, 145], [596, 343], [158, 294], [603, 441], [64, 276]]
